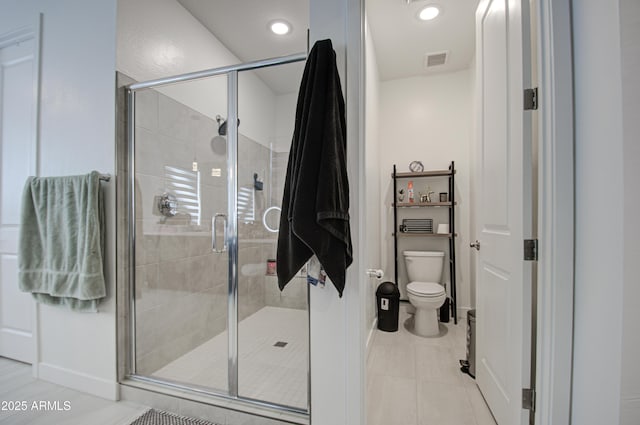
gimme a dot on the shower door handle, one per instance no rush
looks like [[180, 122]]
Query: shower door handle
[[214, 234]]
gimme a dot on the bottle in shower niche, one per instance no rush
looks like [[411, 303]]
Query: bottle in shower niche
[[271, 267], [410, 191]]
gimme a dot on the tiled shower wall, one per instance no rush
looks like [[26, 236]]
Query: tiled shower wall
[[294, 294], [181, 285]]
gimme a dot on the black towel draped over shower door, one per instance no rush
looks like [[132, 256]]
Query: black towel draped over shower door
[[315, 204]]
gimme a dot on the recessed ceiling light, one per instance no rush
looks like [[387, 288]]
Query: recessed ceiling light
[[428, 13], [280, 27]]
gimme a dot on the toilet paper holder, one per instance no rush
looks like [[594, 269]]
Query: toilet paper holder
[[377, 273]]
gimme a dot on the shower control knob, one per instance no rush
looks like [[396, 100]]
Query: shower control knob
[[167, 205], [475, 245]]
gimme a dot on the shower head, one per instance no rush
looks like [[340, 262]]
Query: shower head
[[222, 125]]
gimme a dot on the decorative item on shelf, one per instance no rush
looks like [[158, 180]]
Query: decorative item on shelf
[[423, 198], [401, 195], [410, 190], [427, 196], [417, 225], [443, 196], [416, 167]]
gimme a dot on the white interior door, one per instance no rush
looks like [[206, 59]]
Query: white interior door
[[503, 208], [18, 107]]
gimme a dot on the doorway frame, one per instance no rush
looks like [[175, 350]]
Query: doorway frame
[[554, 352], [555, 285]]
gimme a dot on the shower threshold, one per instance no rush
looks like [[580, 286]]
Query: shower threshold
[[195, 402]]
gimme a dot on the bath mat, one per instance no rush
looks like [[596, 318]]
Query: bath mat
[[158, 417]]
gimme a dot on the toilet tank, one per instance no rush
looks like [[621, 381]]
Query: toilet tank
[[424, 266]]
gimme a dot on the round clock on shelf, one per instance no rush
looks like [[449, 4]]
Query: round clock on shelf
[[416, 167]]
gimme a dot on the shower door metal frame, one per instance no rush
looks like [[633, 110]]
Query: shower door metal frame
[[231, 230]]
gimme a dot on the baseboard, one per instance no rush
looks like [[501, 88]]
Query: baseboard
[[462, 313], [629, 410], [79, 381]]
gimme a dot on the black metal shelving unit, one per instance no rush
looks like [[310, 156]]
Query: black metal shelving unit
[[450, 173]]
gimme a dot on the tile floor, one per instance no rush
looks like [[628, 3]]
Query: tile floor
[[410, 379], [266, 372], [413, 380], [18, 384]]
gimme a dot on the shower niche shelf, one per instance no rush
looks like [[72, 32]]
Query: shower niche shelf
[[451, 204]]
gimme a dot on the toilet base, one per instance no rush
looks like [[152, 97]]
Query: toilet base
[[425, 322]]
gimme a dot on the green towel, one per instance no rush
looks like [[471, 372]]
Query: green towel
[[60, 252]]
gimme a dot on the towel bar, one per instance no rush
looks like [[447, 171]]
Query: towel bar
[[105, 177]]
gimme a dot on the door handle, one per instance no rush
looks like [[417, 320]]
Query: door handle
[[475, 245], [214, 234]]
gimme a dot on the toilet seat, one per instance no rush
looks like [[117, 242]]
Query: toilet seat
[[425, 289]]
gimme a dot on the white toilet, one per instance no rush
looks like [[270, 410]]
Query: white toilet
[[425, 291]]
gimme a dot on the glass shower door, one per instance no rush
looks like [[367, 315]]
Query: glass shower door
[[181, 261], [273, 329], [207, 160]]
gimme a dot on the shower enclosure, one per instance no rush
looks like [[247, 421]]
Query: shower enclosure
[[206, 162]]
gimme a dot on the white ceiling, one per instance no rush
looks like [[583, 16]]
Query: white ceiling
[[400, 39], [242, 26]]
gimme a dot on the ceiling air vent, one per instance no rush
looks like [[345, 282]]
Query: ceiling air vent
[[435, 59]]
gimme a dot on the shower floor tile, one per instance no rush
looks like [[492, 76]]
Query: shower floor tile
[[266, 371]]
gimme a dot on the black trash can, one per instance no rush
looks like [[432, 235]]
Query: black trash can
[[388, 301], [469, 365], [445, 311]]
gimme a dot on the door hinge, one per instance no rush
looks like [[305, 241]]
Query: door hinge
[[531, 99], [529, 399], [531, 250]]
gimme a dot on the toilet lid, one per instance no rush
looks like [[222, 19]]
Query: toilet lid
[[425, 289]]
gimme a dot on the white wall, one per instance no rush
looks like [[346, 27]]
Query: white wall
[[630, 55], [428, 119], [337, 325], [327, 312], [77, 135], [285, 113], [160, 38], [599, 226], [373, 175]]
